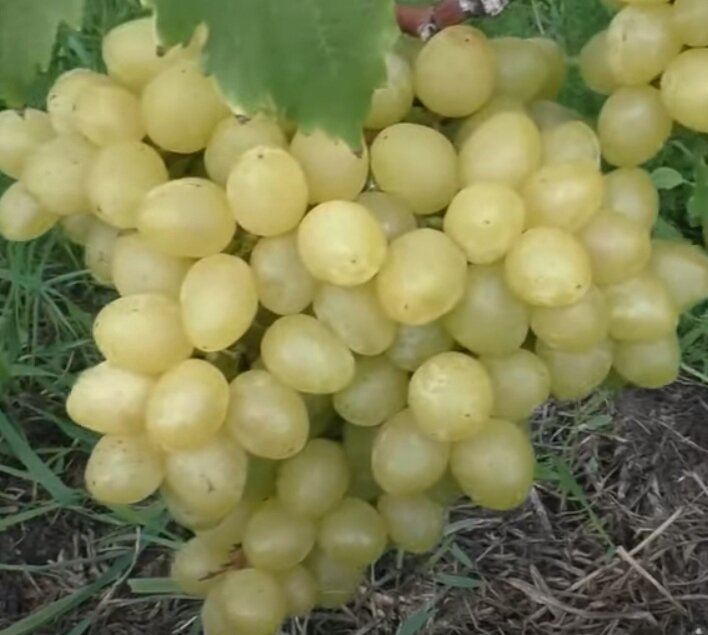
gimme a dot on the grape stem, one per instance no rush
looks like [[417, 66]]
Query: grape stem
[[426, 20]]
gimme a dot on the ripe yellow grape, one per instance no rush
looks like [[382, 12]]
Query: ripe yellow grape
[[377, 392], [563, 195], [184, 515], [631, 193], [266, 417], [304, 354], [197, 565], [283, 283], [640, 43], [267, 191], [337, 581], [334, 171], [21, 216], [404, 460], [76, 227], [485, 219], [107, 114], [123, 470], [690, 22], [683, 269], [683, 89], [136, 267], [446, 490], [119, 177], [300, 588], [522, 68], [99, 249], [414, 523], [422, 277], [64, 93], [594, 65], [315, 480], [548, 266], [142, 333], [340, 242], [495, 105], [489, 319], [451, 397], [212, 615], [416, 164], [575, 374], [55, 174], [575, 327], [557, 66], [520, 383], [228, 532], [181, 107], [633, 126], [504, 149], [109, 400], [21, 133], [355, 315], [188, 217], [395, 216], [219, 301], [649, 363], [454, 73], [416, 343], [391, 102], [548, 114], [571, 141]]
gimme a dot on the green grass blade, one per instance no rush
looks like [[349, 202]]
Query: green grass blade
[[455, 581], [154, 586], [414, 623], [23, 517]]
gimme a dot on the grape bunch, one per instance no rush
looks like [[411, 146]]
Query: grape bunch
[[315, 350]]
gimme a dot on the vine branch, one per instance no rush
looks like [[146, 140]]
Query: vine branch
[[425, 21]]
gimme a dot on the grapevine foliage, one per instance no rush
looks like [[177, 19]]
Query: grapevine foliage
[[27, 33], [315, 62]]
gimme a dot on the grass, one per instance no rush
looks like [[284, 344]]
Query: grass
[[47, 301]]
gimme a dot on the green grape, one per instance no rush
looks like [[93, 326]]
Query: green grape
[[631, 193], [548, 267], [571, 141], [356, 316], [334, 171], [504, 149], [283, 283], [575, 327], [495, 105], [108, 114], [305, 355], [320, 412], [683, 89], [377, 392], [414, 523], [454, 73], [123, 470], [650, 363], [414, 344], [395, 216], [575, 374], [197, 565], [314, 481], [261, 478], [118, 179], [594, 65], [219, 301], [228, 532], [64, 93], [21, 133], [276, 539], [618, 248], [267, 191], [300, 588], [522, 68], [142, 333], [422, 278], [563, 195], [557, 66], [690, 22], [21, 216], [520, 382], [495, 468], [450, 396], [212, 615], [485, 219], [633, 126], [210, 478], [233, 137], [391, 102], [136, 267], [416, 164], [489, 319], [181, 107], [683, 269], [187, 217], [109, 400], [337, 581], [641, 309], [446, 489], [352, 532], [404, 460], [549, 114], [99, 250], [187, 405], [266, 417], [252, 602], [358, 442]]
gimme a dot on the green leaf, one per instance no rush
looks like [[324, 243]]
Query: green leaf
[[315, 62], [698, 203], [28, 29], [667, 178], [666, 230], [416, 621]]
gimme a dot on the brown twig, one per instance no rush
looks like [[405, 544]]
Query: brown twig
[[425, 21]]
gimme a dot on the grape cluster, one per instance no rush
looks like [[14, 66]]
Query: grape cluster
[[316, 350]]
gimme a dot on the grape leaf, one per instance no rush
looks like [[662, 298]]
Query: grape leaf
[[315, 62], [667, 178], [28, 29]]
